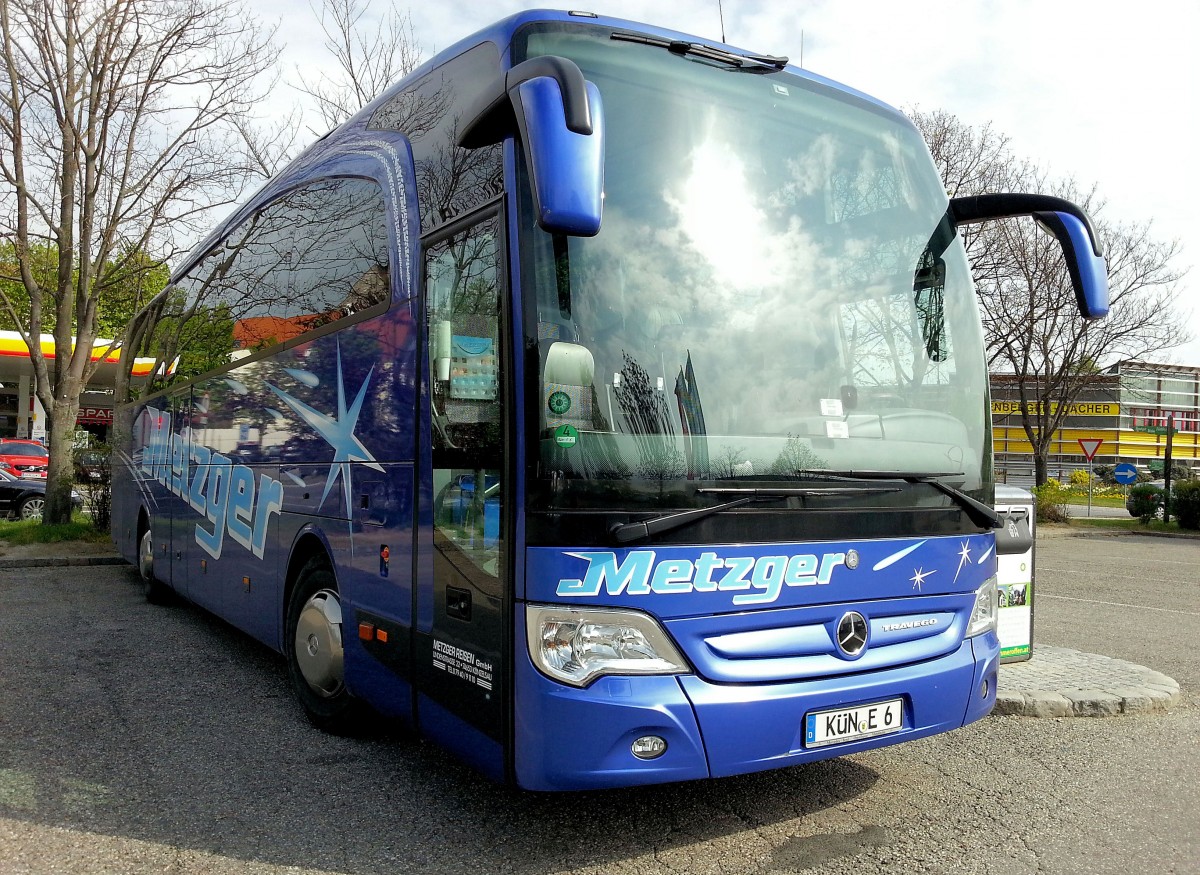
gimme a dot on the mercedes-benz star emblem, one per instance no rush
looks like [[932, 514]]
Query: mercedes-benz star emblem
[[852, 633]]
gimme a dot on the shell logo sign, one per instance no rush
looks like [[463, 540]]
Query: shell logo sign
[[13, 345]]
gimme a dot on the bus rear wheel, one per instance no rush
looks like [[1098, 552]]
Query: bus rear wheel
[[313, 646]]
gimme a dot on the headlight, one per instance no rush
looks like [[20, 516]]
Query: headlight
[[987, 606], [577, 645]]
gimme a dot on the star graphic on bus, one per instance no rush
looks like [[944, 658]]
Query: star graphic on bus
[[339, 432], [964, 557], [919, 576]]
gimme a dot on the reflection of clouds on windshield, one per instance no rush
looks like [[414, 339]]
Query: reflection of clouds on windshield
[[720, 217], [807, 174], [783, 287], [763, 287]]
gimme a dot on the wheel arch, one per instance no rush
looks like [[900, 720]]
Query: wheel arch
[[310, 543]]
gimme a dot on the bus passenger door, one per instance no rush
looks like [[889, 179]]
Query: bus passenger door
[[464, 590]]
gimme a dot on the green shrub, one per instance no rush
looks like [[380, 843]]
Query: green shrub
[[1052, 502], [1185, 504], [1079, 477], [93, 472], [1144, 501]]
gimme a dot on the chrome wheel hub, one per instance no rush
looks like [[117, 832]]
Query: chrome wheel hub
[[146, 557], [319, 643]]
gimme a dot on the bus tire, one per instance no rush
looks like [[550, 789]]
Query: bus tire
[[313, 647], [156, 592]]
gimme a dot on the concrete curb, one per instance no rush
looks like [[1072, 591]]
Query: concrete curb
[[1059, 682], [53, 561]]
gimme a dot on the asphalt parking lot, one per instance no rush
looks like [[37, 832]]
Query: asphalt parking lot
[[139, 739]]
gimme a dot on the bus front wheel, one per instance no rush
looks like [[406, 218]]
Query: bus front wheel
[[313, 645]]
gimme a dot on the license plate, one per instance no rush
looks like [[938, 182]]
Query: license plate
[[852, 724]]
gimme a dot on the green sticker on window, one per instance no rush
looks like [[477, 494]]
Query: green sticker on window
[[560, 403], [566, 436]]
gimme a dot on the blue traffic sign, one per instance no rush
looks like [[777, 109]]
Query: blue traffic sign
[[1125, 473]]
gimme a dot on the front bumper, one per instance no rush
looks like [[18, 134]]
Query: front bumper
[[573, 739]]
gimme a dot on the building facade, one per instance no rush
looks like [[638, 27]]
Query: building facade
[[1126, 407]]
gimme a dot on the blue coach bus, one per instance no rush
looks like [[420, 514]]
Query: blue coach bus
[[607, 403]]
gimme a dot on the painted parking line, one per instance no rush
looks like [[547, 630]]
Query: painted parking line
[[1067, 598]]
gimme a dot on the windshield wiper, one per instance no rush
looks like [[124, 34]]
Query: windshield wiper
[[789, 492], [645, 528], [978, 512], [746, 63]]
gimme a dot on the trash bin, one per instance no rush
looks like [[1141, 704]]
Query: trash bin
[[1014, 571]]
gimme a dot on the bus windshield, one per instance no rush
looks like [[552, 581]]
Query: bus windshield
[[775, 291]]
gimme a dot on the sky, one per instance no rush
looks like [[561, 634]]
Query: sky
[[1103, 92]]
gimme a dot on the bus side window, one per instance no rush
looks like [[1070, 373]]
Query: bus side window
[[462, 301]]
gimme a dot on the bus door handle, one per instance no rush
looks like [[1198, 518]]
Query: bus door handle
[[458, 603]]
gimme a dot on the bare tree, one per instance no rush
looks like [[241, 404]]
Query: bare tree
[[369, 55], [122, 122], [1032, 325]]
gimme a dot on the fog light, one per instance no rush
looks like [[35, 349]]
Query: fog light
[[649, 747], [983, 690]]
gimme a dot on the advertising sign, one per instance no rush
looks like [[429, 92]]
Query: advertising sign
[[1081, 408], [1014, 578], [96, 415]]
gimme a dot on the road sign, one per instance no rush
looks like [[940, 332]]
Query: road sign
[[1125, 473], [1090, 445]]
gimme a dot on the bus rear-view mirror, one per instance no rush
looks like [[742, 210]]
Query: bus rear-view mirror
[[1088, 269], [560, 119], [1070, 225], [566, 168]]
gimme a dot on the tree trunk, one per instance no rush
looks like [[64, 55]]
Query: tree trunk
[[60, 476], [1039, 468]]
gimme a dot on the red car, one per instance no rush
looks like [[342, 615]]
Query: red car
[[27, 458]]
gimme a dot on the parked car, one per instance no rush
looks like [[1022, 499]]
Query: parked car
[[1131, 500], [28, 458], [25, 498], [91, 466]]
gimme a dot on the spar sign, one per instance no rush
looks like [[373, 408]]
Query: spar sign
[[95, 415]]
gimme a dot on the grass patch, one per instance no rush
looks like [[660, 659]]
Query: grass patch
[[1081, 498], [1131, 524], [33, 532]]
